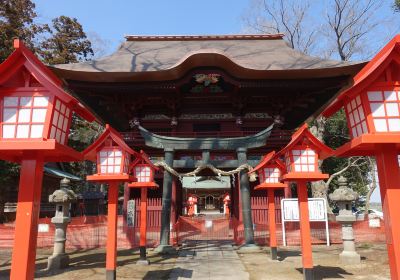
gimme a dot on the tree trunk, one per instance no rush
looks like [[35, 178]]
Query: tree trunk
[[319, 189]]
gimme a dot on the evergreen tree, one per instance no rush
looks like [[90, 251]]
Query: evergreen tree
[[67, 42], [17, 21]]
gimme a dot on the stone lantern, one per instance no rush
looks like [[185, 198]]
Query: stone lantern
[[62, 198], [343, 197]]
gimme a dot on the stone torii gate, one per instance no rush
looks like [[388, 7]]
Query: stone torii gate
[[172, 144]]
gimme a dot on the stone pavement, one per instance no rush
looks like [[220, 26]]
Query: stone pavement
[[215, 260]]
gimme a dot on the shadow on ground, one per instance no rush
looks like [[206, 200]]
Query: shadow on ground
[[89, 260], [326, 272]]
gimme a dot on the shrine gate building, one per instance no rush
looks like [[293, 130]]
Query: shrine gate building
[[221, 100]]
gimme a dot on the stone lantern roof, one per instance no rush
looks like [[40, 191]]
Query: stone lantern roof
[[343, 193], [63, 194]]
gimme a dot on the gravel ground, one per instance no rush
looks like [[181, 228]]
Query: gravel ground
[[374, 263], [90, 264]]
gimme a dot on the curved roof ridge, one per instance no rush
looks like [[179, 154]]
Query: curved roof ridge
[[203, 37]]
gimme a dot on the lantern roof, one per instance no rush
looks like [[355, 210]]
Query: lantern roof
[[23, 58], [369, 74], [143, 158], [91, 152], [269, 158], [304, 134]]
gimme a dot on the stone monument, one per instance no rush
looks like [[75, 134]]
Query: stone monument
[[62, 198], [344, 196]]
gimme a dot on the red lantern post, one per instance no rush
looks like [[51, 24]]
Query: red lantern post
[[113, 157], [270, 171], [143, 170], [35, 116], [301, 160], [372, 107]]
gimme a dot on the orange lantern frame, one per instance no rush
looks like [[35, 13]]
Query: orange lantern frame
[[377, 86], [29, 95], [110, 141], [145, 182], [270, 161], [303, 140]]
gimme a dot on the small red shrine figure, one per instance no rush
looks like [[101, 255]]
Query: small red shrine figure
[[270, 171], [227, 202], [301, 157], [143, 170], [35, 117], [192, 205], [372, 107], [113, 158]]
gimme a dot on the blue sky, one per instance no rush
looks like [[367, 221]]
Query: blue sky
[[110, 20]]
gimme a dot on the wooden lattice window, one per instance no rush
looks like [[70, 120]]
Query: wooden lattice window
[[356, 116], [385, 110], [60, 123], [23, 117], [271, 175], [143, 173]]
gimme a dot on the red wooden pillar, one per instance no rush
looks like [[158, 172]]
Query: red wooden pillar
[[272, 224], [389, 182], [305, 231], [111, 257], [143, 226], [173, 203], [26, 226]]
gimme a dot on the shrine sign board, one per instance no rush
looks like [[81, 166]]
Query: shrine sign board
[[317, 213]]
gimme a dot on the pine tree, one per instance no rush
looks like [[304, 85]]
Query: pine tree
[[67, 42], [17, 21]]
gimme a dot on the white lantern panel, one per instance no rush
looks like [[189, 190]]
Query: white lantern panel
[[394, 125], [390, 96], [118, 153], [37, 131], [117, 169], [377, 109], [60, 121], [103, 154], [10, 101], [55, 118], [351, 119], [26, 101], [64, 128], [110, 160], [380, 125], [8, 131], [118, 160], [58, 105], [10, 115], [39, 115], [103, 169], [311, 168], [53, 132], [58, 136], [63, 109], [103, 161], [23, 131], [375, 96], [41, 101], [110, 169], [24, 115], [297, 168], [392, 109], [63, 138]]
